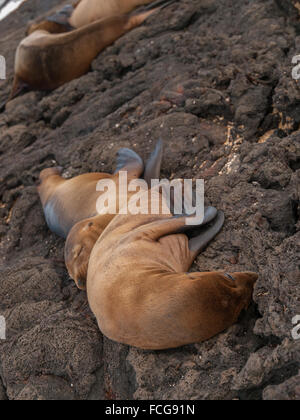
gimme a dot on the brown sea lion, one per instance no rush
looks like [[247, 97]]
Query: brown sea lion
[[46, 61], [84, 234], [88, 11], [141, 293], [69, 201]]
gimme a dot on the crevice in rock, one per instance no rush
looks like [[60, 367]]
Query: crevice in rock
[[277, 377]]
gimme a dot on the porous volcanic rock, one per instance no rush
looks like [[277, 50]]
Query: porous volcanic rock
[[213, 78]]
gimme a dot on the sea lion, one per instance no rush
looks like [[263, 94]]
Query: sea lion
[[88, 11], [68, 201], [68, 18], [141, 293], [84, 234], [46, 61]]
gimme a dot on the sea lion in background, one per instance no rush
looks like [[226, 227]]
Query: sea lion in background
[[141, 294], [46, 61], [88, 11], [68, 18], [84, 234]]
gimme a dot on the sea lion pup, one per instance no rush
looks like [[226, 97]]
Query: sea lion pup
[[84, 234], [68, 201], [46, 61], [141, 293]]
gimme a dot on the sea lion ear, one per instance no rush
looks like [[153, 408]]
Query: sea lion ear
[[153, 165], [128, 160]]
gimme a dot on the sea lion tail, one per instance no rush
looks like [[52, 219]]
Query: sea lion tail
[[153, 165]]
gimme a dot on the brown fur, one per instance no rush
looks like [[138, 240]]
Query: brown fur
[[140, 291], [47, 25], [88, 11], [70, 211], [46, 61]]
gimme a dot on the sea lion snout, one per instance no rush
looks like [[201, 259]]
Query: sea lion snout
[[247, 278], [78, 248], [245, 282]]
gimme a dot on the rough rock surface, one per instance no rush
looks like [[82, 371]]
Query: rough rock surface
[[213, 78]]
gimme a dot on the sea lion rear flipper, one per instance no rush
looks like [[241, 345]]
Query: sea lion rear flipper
[[175, 225], [128, 160], [159, 4], [62, 16], [153, 165], [197, 244]]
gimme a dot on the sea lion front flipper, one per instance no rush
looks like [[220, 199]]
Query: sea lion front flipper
[[197, 244], [153, 165], [128, 160]]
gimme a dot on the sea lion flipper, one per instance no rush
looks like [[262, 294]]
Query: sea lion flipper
[[128, 160], [175, 224], [197, 244], [159, 4], [63, 15], [209, 215], [153, 165]]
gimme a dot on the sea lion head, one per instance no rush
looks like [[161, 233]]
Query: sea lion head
[[244, 283], [78, 248]]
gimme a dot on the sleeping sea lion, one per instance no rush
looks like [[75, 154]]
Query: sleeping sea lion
[[84, 234], [140, 290], [46, 61], [88, 11]]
